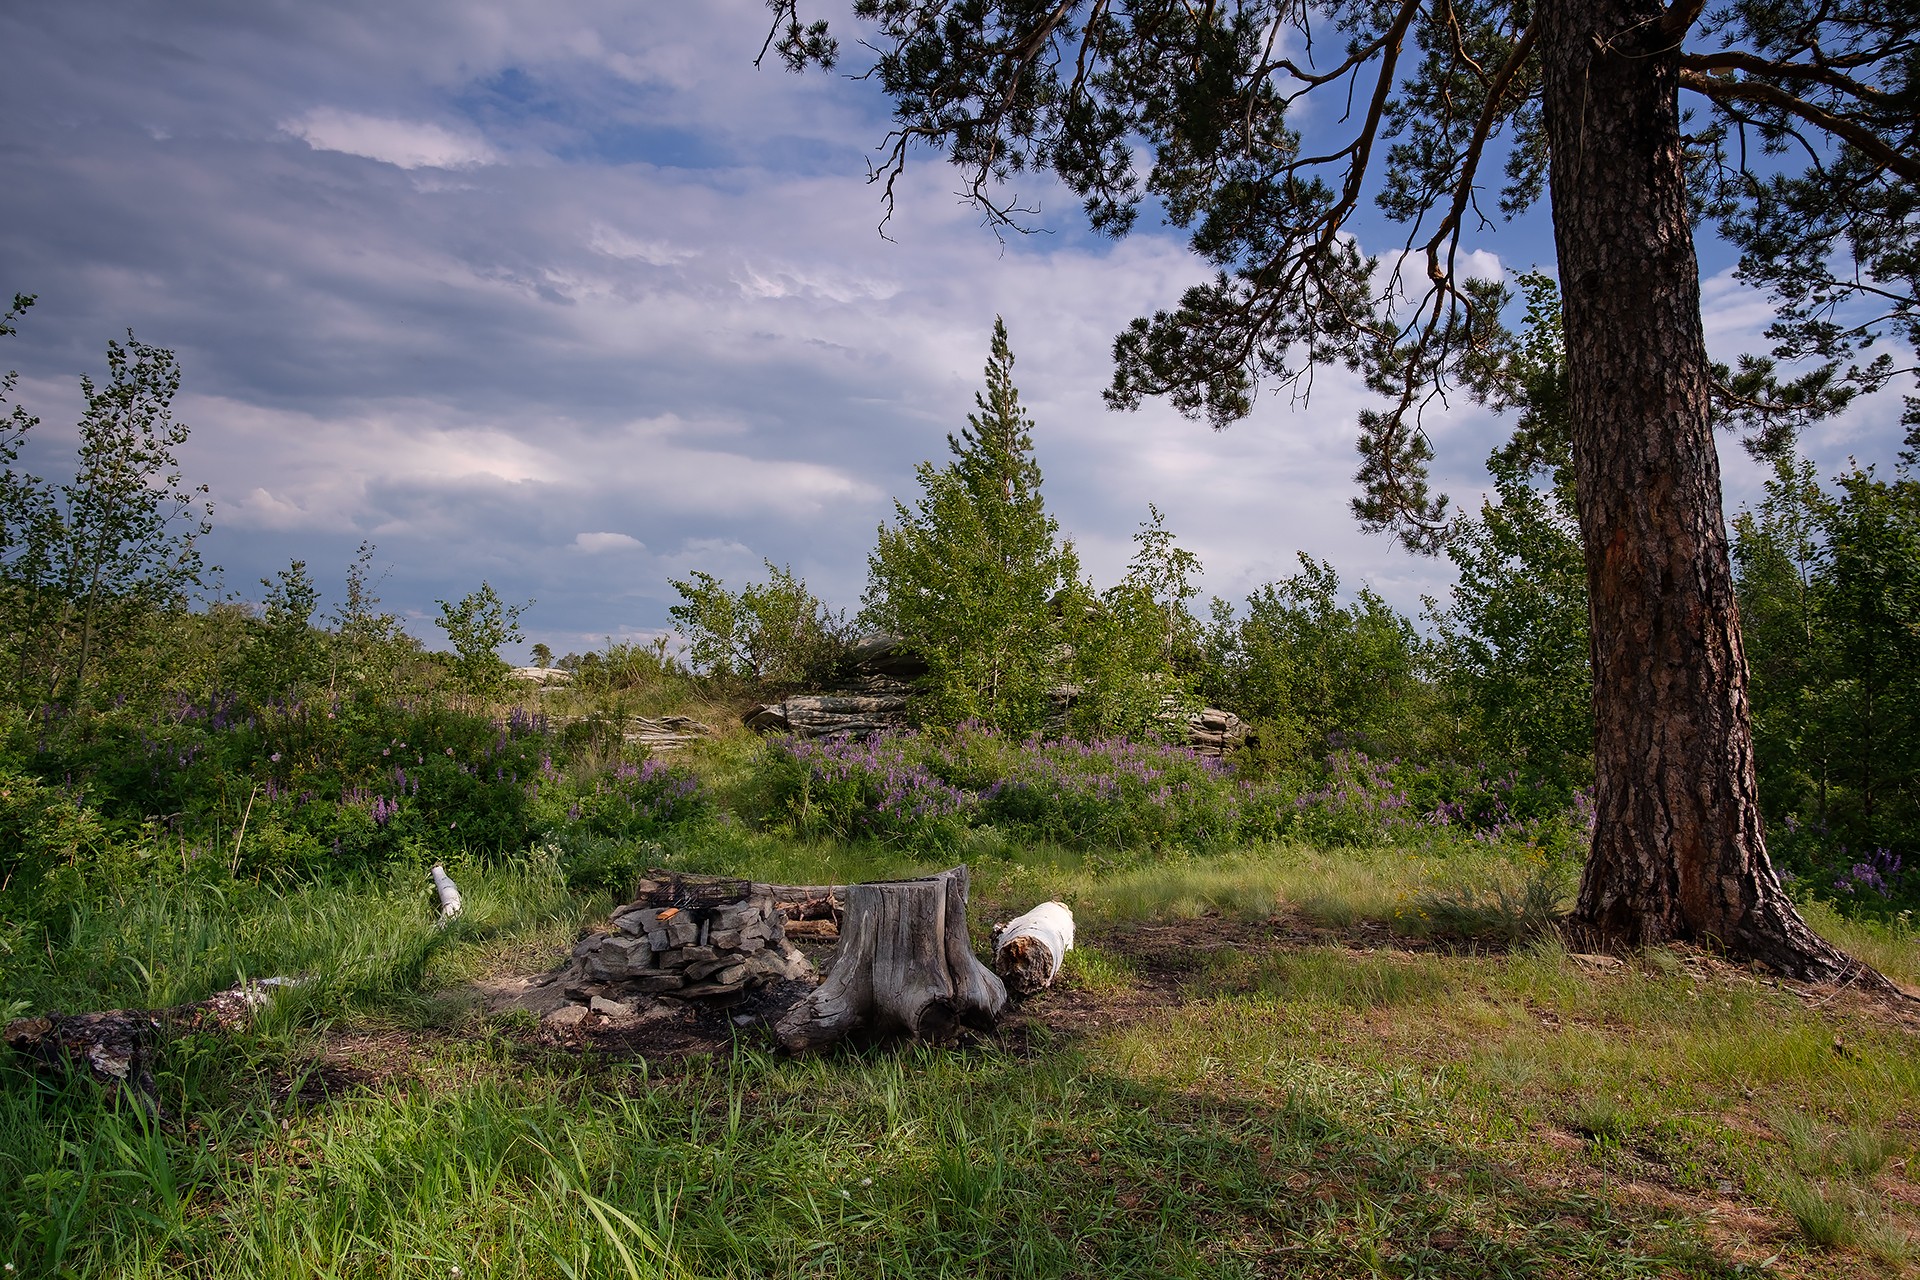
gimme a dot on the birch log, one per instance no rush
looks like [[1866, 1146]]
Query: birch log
[[1029, 950], [448, 892], [905, 966]]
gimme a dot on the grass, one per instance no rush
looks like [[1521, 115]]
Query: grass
[[1353, 1105]]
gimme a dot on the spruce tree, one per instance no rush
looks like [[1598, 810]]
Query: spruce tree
[[968, 576]]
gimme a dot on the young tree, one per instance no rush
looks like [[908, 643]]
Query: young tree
[[23, 502], [1830, 604], [1314, 674], [368, 643], [1807, 157], [90, 560], [1515, 632], [968, 577], [287, 651], [477, 626], [773, 633]]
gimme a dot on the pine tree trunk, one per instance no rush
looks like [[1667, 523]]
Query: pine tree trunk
[[1678, 851]]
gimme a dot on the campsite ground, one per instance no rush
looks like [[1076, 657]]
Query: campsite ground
[[1257, 1065]]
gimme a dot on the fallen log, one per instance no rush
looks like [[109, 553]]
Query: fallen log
[[116, 1046], [1028, 950], [904, 966]]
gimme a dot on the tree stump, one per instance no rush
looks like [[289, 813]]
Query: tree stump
[[905, 966]]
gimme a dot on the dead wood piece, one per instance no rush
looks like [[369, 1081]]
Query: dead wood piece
[[1029, 950], [116, 1046], [904, 966]]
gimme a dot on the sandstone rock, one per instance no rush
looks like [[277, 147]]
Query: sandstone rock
[[635, 956], [637, 922], [702, 969], [611, 1008], [567, 1015]]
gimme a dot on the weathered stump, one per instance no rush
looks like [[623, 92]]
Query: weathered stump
[[905, 966]]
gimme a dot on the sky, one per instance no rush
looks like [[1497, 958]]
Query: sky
[[570, 298]]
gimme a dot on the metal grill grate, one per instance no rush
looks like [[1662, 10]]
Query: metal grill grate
[[671, 889]]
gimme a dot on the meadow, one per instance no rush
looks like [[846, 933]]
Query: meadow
[[1315, 1026]]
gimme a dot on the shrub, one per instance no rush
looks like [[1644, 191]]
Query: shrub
[[875, 789]]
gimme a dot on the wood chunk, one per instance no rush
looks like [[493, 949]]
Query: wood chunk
[[1029, 950]]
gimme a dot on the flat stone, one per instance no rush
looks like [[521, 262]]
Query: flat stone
[[612, 1008], [634, 953], [707, 968], [767, 964], [736, 916], [657, 982], [677, 930], [681, 957], [637, 922], [708, 990], [567, 1015]]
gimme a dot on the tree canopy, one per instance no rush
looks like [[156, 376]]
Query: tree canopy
[[1803, 155], [1798, 145]]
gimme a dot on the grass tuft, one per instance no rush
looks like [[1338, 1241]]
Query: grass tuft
[[1823, 1220]]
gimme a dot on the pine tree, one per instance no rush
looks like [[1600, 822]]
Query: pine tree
[[1802, 146], [969, 575]]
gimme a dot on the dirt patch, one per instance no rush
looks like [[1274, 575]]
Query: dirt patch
[[1163, 961]]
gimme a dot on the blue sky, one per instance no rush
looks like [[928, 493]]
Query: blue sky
[[569, 297]]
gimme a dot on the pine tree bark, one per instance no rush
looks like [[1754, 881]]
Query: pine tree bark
[[1678, 852]]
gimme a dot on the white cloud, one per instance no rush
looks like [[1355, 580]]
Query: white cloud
[[595, 543], [642, 292], [618, 244], [407, 144]]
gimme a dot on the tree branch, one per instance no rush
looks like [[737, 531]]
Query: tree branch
[[1724, 88]]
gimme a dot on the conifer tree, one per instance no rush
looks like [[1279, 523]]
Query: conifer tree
[[1263, 128], [968, 576]]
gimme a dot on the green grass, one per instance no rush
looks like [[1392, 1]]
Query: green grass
[[1348, 1107]]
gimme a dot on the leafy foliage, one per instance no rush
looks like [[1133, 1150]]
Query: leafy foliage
[[1314, 674], [477, 625], [969, 576], [1137, 650], [1515, 632], [1830, 595], [88, 562], [773, 633]]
